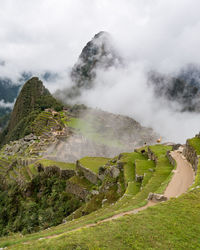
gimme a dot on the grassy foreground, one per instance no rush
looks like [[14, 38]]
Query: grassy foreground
[[170, 225]]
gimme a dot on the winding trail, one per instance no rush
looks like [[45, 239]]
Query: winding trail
[[183, 176], [181, 180]]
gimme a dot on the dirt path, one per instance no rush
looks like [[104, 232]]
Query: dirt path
[[183, 176], [182, 179]]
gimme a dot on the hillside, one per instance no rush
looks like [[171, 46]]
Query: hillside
[[33, 98], [166, 223]]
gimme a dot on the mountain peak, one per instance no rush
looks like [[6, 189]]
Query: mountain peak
[[33, 98], [98, 53]]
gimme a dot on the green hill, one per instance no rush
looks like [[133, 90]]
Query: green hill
[[33, 98]]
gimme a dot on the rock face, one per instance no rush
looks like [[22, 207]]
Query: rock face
[[151, 155], [156, 197], [171, 159], [87, 173], [98, 53]]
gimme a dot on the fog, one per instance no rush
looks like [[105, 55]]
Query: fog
[[125, 91], [160, 35], [6, 104]]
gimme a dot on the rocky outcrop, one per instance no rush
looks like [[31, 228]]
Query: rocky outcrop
[[111, 171], [171, 159], [87, 173], [156, 197], [77, 190], [191, 155]]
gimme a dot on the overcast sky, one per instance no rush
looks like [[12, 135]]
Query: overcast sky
[[49, 34], [39, 35]]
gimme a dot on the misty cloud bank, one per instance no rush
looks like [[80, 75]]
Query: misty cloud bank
[[150, 35], [125, 91]]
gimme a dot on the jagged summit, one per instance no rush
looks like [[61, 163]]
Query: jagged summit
[[33, 98], [98, 53]]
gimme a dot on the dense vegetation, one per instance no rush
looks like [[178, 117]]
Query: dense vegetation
[[42, 204]]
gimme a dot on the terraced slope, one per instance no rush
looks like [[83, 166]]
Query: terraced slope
[[136, 197]]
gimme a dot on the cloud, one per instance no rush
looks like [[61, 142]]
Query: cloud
[[4, 104], [125, 91], [155, 34], [49, 34]]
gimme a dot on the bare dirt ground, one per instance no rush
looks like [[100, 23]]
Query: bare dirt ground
[[182, 179], [183, 176]]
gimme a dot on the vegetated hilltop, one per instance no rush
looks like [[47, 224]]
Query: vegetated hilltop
[[33, 98]]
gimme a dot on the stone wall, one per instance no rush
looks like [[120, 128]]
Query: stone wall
[[191, 155], [77, 190], [87, 173], [171, 159], [151, 155]]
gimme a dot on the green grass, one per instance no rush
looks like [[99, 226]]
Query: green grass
[[93, 163], [133, 188], [160, 150], [60, 164], [170, 225], [195, 143], [146, 169], [129, 167], [142, 167]]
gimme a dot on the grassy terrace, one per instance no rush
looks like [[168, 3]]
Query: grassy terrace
[[60, 164], [128, 227], [133, 187], [93, 163], [145, 169]]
